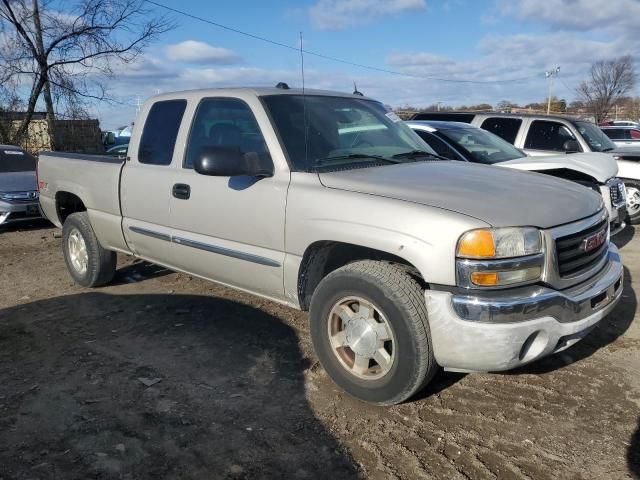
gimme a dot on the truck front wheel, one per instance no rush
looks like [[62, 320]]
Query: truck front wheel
[[370, 331], [88, 263]]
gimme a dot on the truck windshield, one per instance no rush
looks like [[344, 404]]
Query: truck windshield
[[595, 137], [482, 146], [14, 160], [342, 132]]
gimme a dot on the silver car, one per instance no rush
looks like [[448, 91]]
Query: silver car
[[18, 185], [623, 136]]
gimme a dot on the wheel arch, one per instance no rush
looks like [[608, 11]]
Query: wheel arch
[[68, 203], [324, 256]]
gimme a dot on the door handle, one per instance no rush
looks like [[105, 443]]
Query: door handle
[[181, 191]]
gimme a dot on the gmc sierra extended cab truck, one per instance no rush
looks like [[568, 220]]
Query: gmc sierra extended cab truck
[[329, 203]]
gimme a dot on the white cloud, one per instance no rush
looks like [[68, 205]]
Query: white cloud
[[340, 14], [572, 43], [192, 51], [617, 16], [501, 57], [404, 59]]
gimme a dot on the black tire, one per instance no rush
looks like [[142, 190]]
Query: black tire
[[101, 263], [401, 300], [633, 217]]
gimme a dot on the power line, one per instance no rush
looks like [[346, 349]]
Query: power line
[[332, 58], [571, 90]]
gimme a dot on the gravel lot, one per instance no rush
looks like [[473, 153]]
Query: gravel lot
[[165, 376]]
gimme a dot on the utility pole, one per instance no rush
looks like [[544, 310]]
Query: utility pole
[[549, 75]]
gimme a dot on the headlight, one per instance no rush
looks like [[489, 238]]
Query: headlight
[[500, 243], [496, 257]]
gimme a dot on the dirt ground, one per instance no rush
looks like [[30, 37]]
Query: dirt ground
[[161, 375]]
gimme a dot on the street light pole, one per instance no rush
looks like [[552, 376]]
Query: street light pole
[[549, 75]]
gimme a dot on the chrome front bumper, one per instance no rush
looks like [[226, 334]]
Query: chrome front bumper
[[617, 211], [493, 331], [17, 211], [618, 224]]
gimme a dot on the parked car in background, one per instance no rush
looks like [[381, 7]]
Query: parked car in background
[[539, 135], [118, 150], [119, 136], [461, 141], [328, 202], [620, 123], [623, 136], [18, 185]]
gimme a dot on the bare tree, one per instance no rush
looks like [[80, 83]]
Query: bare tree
[[608, 81], [64, 51], [505, 106]]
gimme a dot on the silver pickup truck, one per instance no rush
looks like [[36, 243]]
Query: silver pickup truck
[[329, 203]]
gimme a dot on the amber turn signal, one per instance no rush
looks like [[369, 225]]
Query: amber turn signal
[[477, 244], [485, 279]]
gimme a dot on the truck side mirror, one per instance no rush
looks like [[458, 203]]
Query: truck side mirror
[[571, 146], [222, 161]]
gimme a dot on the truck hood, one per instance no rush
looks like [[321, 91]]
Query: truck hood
[[498, 196], [18, 182], [600, 166]]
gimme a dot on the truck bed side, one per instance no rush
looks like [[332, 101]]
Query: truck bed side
[[77, 182]]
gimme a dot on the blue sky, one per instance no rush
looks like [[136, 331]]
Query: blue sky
[[486, 41]]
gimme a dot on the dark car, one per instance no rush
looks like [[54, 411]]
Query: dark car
[[18, 185]]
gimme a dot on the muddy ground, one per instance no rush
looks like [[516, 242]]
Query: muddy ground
[[161, 375]]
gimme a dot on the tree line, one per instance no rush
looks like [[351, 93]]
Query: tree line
[[605, 90]]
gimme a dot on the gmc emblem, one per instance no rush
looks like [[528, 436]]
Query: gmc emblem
[[594, 241]]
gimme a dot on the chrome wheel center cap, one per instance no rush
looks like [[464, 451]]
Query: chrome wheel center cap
[[361, 337]]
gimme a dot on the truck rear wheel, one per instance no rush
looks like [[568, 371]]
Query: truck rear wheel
[[633, 202], [88, 263], [370, 331]]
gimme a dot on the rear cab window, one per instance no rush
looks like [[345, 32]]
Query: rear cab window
[[505, 128], [160, 132], [547, 135]]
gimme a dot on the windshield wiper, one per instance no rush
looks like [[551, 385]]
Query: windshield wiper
[[413, 154], [356, 156]]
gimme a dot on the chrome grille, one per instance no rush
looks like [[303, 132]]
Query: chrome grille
[[573, 258], [617, 192]]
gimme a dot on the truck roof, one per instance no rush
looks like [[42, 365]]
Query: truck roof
[[433, 125], [251, 91]]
